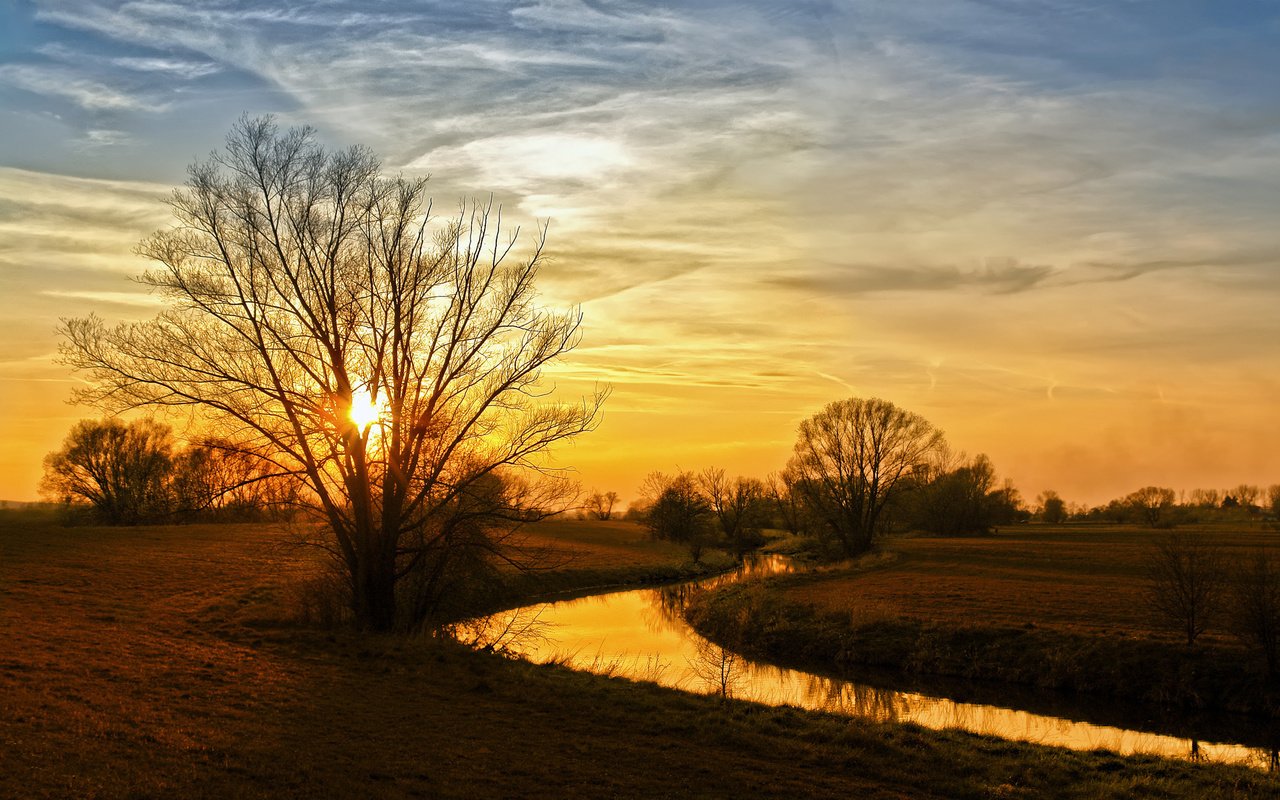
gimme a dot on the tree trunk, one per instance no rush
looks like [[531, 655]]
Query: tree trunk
[[374, 600]]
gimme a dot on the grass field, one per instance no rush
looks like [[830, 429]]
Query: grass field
[[1081, 579], [164, 662], [1060, 607]]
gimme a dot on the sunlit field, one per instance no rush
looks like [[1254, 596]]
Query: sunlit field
[[591, 544], [167, 661], [1084, 579]]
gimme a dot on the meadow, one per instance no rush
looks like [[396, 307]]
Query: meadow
[[171, 661], [1060, 607]]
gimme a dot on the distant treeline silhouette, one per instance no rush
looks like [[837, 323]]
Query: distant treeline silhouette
[[1163, 507]]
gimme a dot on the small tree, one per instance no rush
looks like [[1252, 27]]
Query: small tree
[[961, 500], [1247, 495], [852, 459], [739, 507], [1255, 609], [1152, 504], [1186, 581], [679, 512], [1053, 509], [788, 505], [1205, 498], [121, 470], [601, 506], [214, 479], [1273, 499]]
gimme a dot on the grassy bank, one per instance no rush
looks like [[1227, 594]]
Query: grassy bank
[[1051, 608], [585, 556], [163, 662]]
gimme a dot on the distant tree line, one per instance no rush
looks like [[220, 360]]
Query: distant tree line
[[135, 473], [1162, 507]]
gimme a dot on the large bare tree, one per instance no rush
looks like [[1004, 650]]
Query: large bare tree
[[851, 459], [314, 312]]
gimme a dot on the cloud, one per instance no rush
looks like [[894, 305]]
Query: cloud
[[92, 95], [747, 197], [999, 276]]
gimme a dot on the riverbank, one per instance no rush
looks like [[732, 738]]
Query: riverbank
[[1055, 609], [576, 558], [143, 662]]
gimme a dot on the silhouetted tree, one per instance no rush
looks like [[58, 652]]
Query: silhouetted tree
[[739, 507], [1053, 509], [1205, 498], [311, 315], [1255, 607], [1006, 505], [1186, 582], [788, 504], [1273, 499], [214, 479], [1152, 504], [851, 459], [679, 512], [601, 506], [1247, 495], [961, 501], [120, 469]]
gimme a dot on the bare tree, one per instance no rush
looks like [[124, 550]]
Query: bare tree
[[1152, 504], [121, 470], [601, 506], [312, 314], [678, 511], [1255, 608], [851, 459], [1205, 498], [1273, 499], [1053, 509], [1186, 584], [721, 671], [738, 504], [215, 479], [1247, 494], [789, 504]]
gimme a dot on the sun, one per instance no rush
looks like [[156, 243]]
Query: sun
[[365, 410]]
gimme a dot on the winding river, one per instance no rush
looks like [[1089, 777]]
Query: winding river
[[641, 634]]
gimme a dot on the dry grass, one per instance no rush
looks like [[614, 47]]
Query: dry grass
[[1087, 580], [158, 662], [590, 544]]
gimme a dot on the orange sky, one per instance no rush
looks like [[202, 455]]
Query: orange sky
[[1053, 235]]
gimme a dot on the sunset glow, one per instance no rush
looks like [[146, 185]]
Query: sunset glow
[[1050, 232], [365, 409]]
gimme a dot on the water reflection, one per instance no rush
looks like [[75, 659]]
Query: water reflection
[[641, 634]]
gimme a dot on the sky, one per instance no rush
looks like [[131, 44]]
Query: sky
[[1050, 228]]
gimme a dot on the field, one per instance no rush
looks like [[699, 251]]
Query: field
[[1061, 608], [149, 662], [1088, 580]]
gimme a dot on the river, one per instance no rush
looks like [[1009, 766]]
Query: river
[[641, 634]]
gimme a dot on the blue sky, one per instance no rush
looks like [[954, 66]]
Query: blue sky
[[1048, 227]]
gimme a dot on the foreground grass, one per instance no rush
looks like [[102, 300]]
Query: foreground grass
[[1053, 607], [156, 662]]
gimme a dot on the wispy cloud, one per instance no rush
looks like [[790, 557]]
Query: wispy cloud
[[55, 81]]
